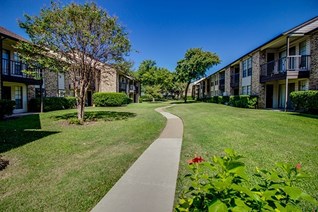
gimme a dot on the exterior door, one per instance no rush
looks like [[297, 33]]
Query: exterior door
[[270, 63], [281, 96], [5, 61], [89, 98], [269, 96], [291, 88]]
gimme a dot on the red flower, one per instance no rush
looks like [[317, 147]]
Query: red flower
[[198, 159], [298, 166]]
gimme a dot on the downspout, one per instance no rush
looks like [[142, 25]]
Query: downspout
[[287, 68]]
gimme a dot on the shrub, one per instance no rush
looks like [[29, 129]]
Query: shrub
[[243, 101], [306, 101], [52, 103], [215, 99], [6, 107], [103, 99], [225, 99], [221, 184], [71, 102], [220, 99], [146, 98]]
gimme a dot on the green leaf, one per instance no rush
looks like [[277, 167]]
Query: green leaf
[[241, 209], [293, 192], [292, 208], [218, 206], [279, 207], [308, 198], [246, 191]]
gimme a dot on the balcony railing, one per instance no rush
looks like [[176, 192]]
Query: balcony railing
[[15, 69], [235, 80], [291, 63]]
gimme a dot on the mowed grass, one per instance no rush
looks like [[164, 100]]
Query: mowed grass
[[263, 137], [55, 166]]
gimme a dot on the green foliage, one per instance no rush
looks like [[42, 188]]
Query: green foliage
[[194, 65], [6, 107], [104, 99], [52, 103], [221, 184], [306, 101], [75, 38], [243, 101], [215, 99], [154, 92], [151, 75]]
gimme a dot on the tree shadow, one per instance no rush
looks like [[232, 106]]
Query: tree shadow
[[182, 102], [97, 115], [306, 115], [16, 132]]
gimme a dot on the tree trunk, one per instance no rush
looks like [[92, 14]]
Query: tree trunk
[[81, 102], [186, 92]]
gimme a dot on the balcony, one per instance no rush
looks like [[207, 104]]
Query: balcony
[[235, 80], [278, 69], [13, 71]]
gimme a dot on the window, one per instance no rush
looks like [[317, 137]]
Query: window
[[302, 48], [246, 90], [247, 67], [303, 85], [18, 97], [61, 93], [303, 53]]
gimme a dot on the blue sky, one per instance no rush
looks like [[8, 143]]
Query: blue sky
[[163, 30]]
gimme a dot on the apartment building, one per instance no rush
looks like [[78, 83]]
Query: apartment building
[[288, 62], [20, 87]]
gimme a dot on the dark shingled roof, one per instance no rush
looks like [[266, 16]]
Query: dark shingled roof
[[6, 33]]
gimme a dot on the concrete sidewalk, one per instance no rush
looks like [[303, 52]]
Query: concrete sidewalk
[[149, 184]]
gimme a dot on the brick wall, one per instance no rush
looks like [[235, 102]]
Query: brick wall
[[255, 85], [228, 81], [108, 80], [313, 79], [51, 83]]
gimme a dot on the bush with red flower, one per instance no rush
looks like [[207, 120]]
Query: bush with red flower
[[221, 184]]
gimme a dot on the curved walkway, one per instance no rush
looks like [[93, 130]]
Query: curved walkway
[[149, 184]]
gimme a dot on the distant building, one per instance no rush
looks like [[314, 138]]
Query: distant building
[[288, 62]]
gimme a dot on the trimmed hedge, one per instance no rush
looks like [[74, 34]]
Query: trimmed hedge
[[103, 99], [6, 107], [306, 101], [243, 101], [52, 103]]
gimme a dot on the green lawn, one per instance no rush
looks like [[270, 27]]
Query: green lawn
[[264, 137], [59, 167]]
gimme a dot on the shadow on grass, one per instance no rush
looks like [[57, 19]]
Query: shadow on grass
[[11, 139], [97, 115], [16, 132], [307, 115], [182, 102]]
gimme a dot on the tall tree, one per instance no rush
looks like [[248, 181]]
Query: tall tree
[[78, 39], [194, 65]]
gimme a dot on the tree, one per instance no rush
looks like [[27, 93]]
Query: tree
[[78, 39], [153, 91], [194, 65], [157, 80]]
